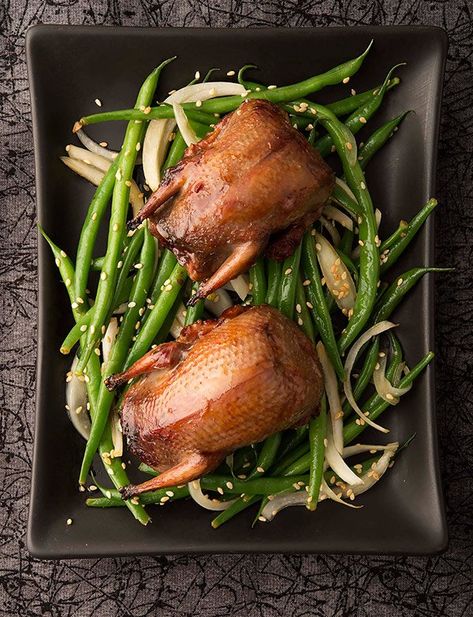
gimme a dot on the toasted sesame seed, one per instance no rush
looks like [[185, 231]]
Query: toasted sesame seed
[[318, 246], [242, 476], [298, 308], [138, 266], [74, 305], [131, 304], [361, 243], [260, 469], [94, 216], [168, 288], [363, 185], [103, 275], [362, 120], [262, 519], [389, 396], [288, 271], [220, 490], [399, 282], [272, 87], [146, 110], [349, 146], [229, 485], [325, 442], [309, 305], [306, 283], [300, 321], [230, 73], [98, 102], [346, 80], [198, 103], [118, 175]]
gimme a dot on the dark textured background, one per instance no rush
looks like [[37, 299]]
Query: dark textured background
[[257, 584]]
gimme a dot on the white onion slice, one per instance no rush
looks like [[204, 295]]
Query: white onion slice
[[117, 434], [95, 175], [333, 213], [175, 329], [218, 302], [183, 125], [81, 154], [344, 186], [159, 131], [285, 499], [378, 216], [93, 146], [379, 469], [361, 448], [378, 328], [334, 497], [241, 286], [336, 462], [109, 338], [384, 387], [337, 276], [332, 230], [331, 389], [76, 400], [209, 504]]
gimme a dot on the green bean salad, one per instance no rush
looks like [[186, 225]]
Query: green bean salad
[[336, 286]]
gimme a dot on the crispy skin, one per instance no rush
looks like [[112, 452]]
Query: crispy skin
[[230, 382], [253, 177]]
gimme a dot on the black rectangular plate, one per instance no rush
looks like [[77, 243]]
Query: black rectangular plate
[[69, 67]]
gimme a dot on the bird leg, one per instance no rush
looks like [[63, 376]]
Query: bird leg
[[171, 184]]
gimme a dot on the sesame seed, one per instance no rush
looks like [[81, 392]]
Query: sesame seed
[[164, 499], [118, 175], [74, 305], [318, 246], [389, 396], [349, 146], [325, 442], [353, 92], [146, 110], [170, 493], [198, 103], [220, 490], [68, 282], [377, 366], [131, 304], [262, 519], [119, 264], [94, 216], [97, 351], [230, 73], [138, 266], [260, 469], [363, 185], [346, 80], [69, 521], [103, 275], [272, 87], [306, 283], [115, 227], [197, 75], [137, 324], [298, 308], [92, 329], [313, 111], [300, 322], [381, 354], [362, 120], [168, 288], [242, 476], [288, 271], [229, 485], [98, 102], [361, 243], [309, 305], [57, 261], [399, 282]]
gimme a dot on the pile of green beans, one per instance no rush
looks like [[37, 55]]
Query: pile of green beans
[[148, 285]]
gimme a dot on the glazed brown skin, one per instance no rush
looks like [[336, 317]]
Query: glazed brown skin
[[253, 184], [223, 384]]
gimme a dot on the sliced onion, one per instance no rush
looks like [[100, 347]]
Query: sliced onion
[[218, 302], [378, 328], [159, 131], [117, 434], [334, 497], [81, 154], [333, 213], [76, 400], [181, 314], [401, 369], [95, 175], [285, 499], [175, 329], [183, 125], [209, 504], [336, 462], [378, 216], [332, 230], [344, 186], [93, 146], [384, 387], [109, 338], [337, 276], [331, 389], [361, 448], [121, 309], [241, 286], [379, 469]]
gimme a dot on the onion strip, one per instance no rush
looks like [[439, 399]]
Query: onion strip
[[205, 502], [384, 387], [378, 328], [337, 464], [337, 276], [334, 214], [183, 125], [94, 147], [331, 389], [344, 186], [218, 302], [76, 402]]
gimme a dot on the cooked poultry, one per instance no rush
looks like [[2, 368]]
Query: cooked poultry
[[221, 385], [253, 184]]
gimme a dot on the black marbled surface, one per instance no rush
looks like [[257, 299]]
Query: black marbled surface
[[255, 585]]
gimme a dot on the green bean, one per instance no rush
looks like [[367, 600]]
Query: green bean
[[346, 106], [97, 264], [290, 275], [304, 320], [237, 506], [368, 238], [398, 289], [267, 485], [344, 200], [163, 111], [294, 439], [377, 139], [394, 237], [166, 266], [274, 278], [66, 270], [359, 117], [287, 93], [312, 136], [258, 282], [152, 497], [164, 330], [318, 306], [77, 330], [266, 456], [317, 433], [377, 405], [91, 226], [289, 459], [365, 375], [119, 350], [407, 235], [346, 245], [117, 225], [157, 315], [249, 85], [196, 312]]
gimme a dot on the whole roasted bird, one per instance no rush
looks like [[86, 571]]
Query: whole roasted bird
[[253, 184], [222, 384]]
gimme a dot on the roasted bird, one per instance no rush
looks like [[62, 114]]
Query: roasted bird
[[222, 384], [253, 185]]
